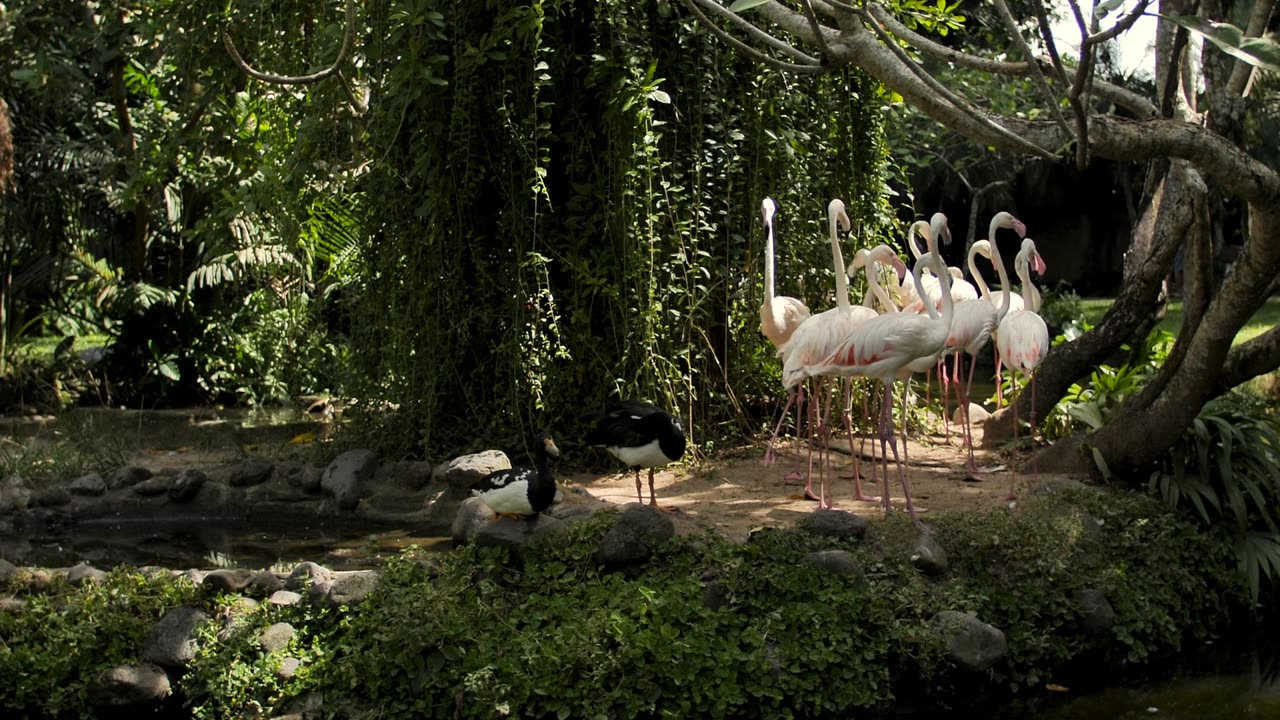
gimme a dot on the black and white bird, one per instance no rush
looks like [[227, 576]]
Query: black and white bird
[[522, 490], [640, 435]]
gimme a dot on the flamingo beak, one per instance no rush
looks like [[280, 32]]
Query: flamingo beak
[[899, 267], [946, 235], [1037, 263], [1019, 228]]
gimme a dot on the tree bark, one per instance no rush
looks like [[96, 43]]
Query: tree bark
[[1171, 210]]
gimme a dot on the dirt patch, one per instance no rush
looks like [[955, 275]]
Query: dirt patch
[[737, 492]]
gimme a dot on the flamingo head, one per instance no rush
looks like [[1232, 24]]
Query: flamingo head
[[1033, 256], [941, 230], [836, 213], [981, 247], [1007, 220], [886, 255], [858, 262], [769, 208]]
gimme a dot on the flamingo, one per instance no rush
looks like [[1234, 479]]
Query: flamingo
[[973, 324], [780, 315], [961, 291], [892, 346], [816, 336], [1022, 339]]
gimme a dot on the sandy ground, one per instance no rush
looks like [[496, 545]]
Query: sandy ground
[[737, 492]]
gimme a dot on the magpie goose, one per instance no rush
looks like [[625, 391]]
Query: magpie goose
[[522, 491], [640, 435]]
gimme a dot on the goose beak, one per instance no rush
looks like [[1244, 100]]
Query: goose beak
[[552, 450]]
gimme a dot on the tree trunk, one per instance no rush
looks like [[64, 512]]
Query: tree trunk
[[1165, 220], [1145, 429]]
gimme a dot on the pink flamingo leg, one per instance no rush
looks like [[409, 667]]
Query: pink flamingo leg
[[795, 473], [1013, 465], [968, 427], [848, 425], [887, 440], [999, 383], [944, 388], [768, 451]]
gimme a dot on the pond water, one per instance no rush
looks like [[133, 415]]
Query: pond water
[[206, 543]]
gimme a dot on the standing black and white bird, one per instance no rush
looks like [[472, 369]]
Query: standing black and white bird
[[640, 435], [522, 490]]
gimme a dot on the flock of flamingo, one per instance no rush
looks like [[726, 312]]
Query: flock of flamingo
[[909, 328]]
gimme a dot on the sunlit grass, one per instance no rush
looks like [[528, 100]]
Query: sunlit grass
[[40, 349], [1263, 320]]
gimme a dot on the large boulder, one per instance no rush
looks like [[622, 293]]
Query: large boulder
[[971, 644], [129, 686], [473, 516], [90, 485], [171, 643], [128, 476], [840, 563], [347, 474], [834, 523], [250, 472], [516, 535], [928, 556], [187, 484], [639, 530], [462, 473]]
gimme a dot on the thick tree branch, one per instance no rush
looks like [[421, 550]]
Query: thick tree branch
[[807, 63], [1249, 360], [1122, 26], [1050, 98], [1259, 19]]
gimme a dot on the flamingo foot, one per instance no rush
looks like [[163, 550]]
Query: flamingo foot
[[808, 495], [860, 497], [769, 456], [793, 476], [664, 508]]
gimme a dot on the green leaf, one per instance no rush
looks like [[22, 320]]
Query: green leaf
[[170, 370], [1258, 52], [741, 5], [1106, 7]]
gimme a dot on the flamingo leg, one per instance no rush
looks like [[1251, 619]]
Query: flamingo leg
[[999, 383], [1035, 467], [824, 451], [887, 441], [639, 488], [768, 451], [944, 388], [814, 401], [1013, 465], [968, 427]]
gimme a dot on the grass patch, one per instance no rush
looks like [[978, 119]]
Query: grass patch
[[40, 349], [1263, 320]]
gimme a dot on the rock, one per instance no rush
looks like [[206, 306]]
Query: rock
[[462, 473], [236, 617], [284, 598], [51, 497], [408, 474], [714, 595], [7, 570], [151, 487], [1096, 613], [515, 535], [977, 415], [473, 516], [90, 485], [127, 476], [971, 644], [265, 583], [195, 576], [15, 496], [253, 471], [306, 574], [351, 588], [186, 485], [834, 523], [288, 667], [229, 580], [12, 605], [837, 562], [84, 573], [276, 636], [309, 481], [928, 556], [171, 643], [38, 580], [128, 685], [634, 536], [347, 474]]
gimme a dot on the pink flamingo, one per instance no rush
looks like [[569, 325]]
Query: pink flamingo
[[1022, 339], [814, 338], [780, 315], [892, 346], [974, 322]]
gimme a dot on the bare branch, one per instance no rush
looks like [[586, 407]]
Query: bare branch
[[1122, 25], [1046, 34], [751, 30], [817, 28], [1258, 22], [956, 101], [343, 52], [1016, 34]]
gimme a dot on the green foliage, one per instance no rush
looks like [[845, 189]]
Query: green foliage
[[1061, 307], [75, 447], [232, 675], [1091, 405], [583, 222], [1227, 467], [54, 647]]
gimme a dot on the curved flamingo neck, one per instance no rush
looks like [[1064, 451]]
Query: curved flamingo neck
[[972, 262], [1024, 275], [911, 237], [769, 289], [1000, 220], [873, 286], [837, 262]]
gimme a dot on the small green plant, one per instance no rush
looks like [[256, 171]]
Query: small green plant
[[54, 648], [1061, 307], [1227, 468]]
